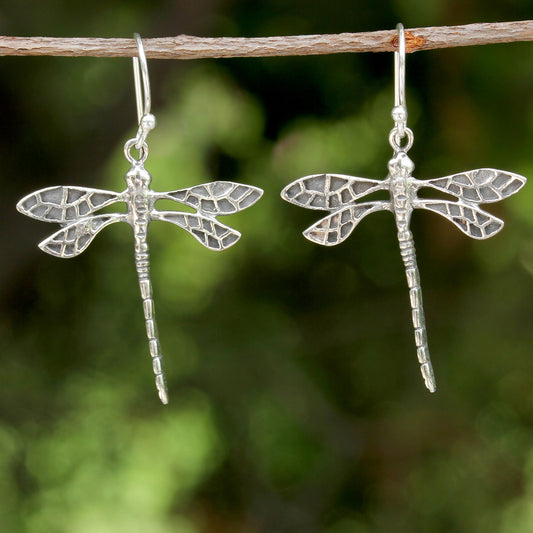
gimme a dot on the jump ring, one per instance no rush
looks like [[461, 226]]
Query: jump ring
[[395, 139], [143, 151]]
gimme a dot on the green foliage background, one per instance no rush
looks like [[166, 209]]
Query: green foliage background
[[296, 400]]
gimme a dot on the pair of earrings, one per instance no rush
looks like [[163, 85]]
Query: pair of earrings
[[72, 207]]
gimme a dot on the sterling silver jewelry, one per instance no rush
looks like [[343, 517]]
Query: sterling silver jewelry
[[72, 208], [338, 194]]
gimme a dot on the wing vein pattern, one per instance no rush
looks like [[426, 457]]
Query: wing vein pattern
[[73, 239], [330, 192], [215, 198], [471, 220], [65, 204], [480, 186], [210, 200], [207, 231]]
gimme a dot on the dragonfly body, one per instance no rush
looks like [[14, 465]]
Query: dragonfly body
[[140, 205], [403, 192], [73, 208], [340, 194]]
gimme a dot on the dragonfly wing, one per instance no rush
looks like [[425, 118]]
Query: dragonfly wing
[[329, 191], [337, 227], [216, 198], [74, 238], [480, 186], [468, 218], [65, 204], [207, 231]]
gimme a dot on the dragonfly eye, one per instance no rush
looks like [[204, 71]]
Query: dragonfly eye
[[138, 176], [401, 165]]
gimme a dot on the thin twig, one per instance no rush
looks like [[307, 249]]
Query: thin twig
[[189, 47]]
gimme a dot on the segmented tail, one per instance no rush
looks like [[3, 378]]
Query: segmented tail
[[142, 265], [407, 249]]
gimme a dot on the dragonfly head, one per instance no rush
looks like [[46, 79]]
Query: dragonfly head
[[137, 176], [401, 165]]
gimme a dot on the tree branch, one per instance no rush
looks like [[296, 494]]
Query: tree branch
[[189, 47]]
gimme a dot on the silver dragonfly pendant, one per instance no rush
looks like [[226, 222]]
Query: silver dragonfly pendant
[[339, 194], [73, 208]]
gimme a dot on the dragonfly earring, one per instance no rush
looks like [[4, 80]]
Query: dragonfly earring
[[338, 194], [73, 208]]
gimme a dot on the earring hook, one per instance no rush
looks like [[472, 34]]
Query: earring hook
[[399, 111], [142, 94], [399, 68], [140, 66]]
